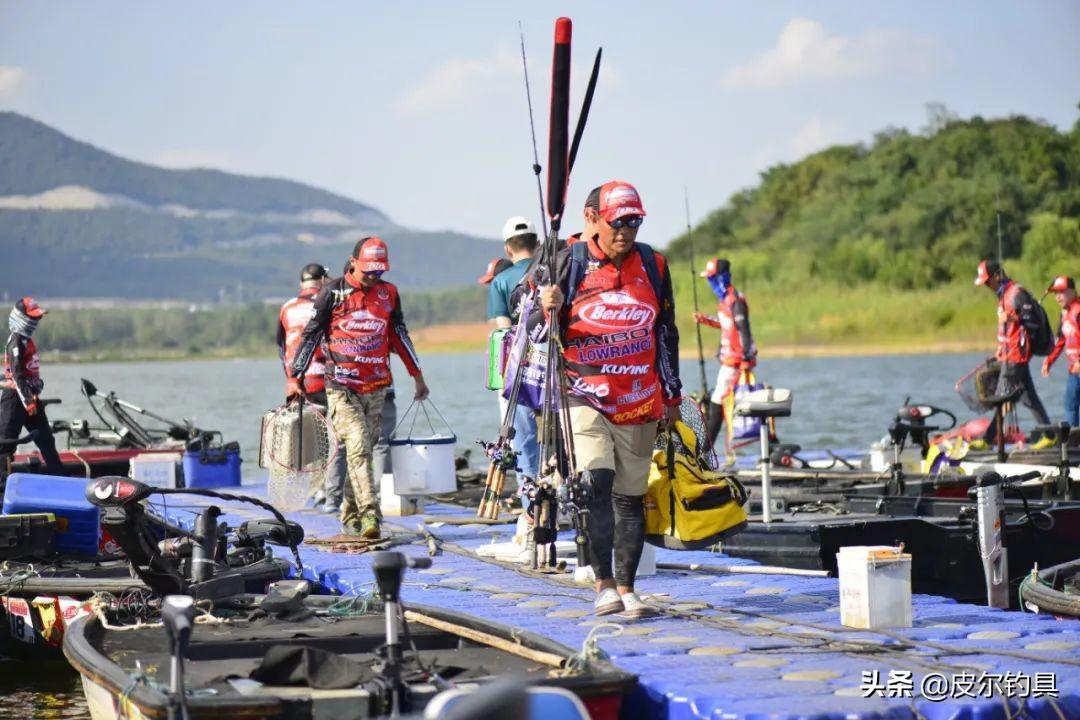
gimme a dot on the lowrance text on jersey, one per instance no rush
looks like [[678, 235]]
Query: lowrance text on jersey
[[598, 348]]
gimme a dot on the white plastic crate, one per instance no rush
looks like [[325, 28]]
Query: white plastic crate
[[875, 586], [156, 469]]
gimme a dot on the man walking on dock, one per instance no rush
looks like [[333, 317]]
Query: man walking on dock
[[360, 317], [622, 353], [520, 242], [1017, 320], [1068, 340], [292, 319]]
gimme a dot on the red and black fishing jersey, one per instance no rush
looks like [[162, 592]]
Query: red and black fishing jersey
[[620, 342], [292, 319], [358, 328], [22, 368]]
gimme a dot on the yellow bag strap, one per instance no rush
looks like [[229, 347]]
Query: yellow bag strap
[[669, 447]]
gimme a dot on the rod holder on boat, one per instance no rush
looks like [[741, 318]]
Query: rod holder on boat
[[178, 616], [990, 495]]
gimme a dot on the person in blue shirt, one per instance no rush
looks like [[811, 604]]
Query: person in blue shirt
[[520, 241]]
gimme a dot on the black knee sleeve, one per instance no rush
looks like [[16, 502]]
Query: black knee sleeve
[[629, 540]]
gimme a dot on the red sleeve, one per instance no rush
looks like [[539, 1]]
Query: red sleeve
[[400, 342], [711, 322]]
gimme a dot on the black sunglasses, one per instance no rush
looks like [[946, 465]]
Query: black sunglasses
[[630, 221]]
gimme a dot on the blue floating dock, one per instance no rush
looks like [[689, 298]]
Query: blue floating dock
[[714, 664]]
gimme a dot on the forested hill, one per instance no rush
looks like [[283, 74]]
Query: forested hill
[[79, 222], [907, 211]]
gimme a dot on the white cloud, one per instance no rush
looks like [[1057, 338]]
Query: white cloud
[[804, 51], [458, 81], [11, 78], [184, 158], [66, 197], [813, 136]]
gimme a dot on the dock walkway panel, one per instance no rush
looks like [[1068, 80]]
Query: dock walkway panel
[[732, 646]]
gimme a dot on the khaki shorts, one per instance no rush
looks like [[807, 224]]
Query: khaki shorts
[[600, 444]]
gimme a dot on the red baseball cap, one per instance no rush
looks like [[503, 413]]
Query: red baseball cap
[[1061, 284], [371, 255], [618, 199], [494, 268], [28, 306], [987, 270]]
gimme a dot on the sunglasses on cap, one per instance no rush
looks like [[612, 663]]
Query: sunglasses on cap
[[630, 221]]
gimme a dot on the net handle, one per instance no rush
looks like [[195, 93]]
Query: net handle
[[415, 408], [269, 431]]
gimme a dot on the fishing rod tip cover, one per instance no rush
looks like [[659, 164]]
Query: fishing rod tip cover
[[563, 29]]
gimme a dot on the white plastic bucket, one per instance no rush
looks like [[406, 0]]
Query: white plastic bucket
[[424, 466], [875, 587], [155, 469]]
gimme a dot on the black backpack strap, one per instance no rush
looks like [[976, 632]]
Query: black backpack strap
[[648, 261], [579, 252]]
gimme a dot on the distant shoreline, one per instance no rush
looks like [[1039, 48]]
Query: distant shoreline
[[472, 337]]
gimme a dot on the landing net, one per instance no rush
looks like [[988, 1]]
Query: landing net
[[298, 446]]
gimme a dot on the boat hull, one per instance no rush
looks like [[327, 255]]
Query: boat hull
[[111, 690]]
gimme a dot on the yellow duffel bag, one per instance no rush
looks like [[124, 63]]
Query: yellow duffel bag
[[699, 506]]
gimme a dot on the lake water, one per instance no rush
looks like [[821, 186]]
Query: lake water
[[844, 402]]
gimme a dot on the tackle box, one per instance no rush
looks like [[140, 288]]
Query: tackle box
[[210, 464], [78, 525], [27, 536]]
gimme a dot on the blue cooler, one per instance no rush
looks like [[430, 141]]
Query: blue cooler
[[207, 465], [78, 523]]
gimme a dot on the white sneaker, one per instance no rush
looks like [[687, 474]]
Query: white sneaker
[[636, 607], [608, 602]]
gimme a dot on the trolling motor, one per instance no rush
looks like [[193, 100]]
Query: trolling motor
[[898, 434], [915, 416], [178, 616], [990, 513], [1064, 484], [138, 533], [389, 568]]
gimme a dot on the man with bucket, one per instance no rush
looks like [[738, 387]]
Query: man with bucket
[[359, 320]]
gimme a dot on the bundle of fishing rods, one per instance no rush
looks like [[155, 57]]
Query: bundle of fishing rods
[[559, 481]]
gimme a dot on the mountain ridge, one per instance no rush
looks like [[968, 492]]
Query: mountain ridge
[[81, 222]]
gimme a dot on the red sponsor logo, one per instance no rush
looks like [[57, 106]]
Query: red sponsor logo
[[367, 325], [640, 411], [618, 311]]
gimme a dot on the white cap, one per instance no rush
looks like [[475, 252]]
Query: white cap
[[517, 225]]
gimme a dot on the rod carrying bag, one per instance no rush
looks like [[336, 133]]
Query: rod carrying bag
[[694, 507]]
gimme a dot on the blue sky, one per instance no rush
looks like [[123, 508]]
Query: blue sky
[[418, 108]]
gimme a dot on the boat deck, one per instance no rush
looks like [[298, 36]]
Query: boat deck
[[733, 646]]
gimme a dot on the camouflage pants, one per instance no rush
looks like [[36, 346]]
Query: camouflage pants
[[357, 418]]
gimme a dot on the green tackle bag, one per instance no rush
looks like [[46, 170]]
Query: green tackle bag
[[496, 358], [697, 506]]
